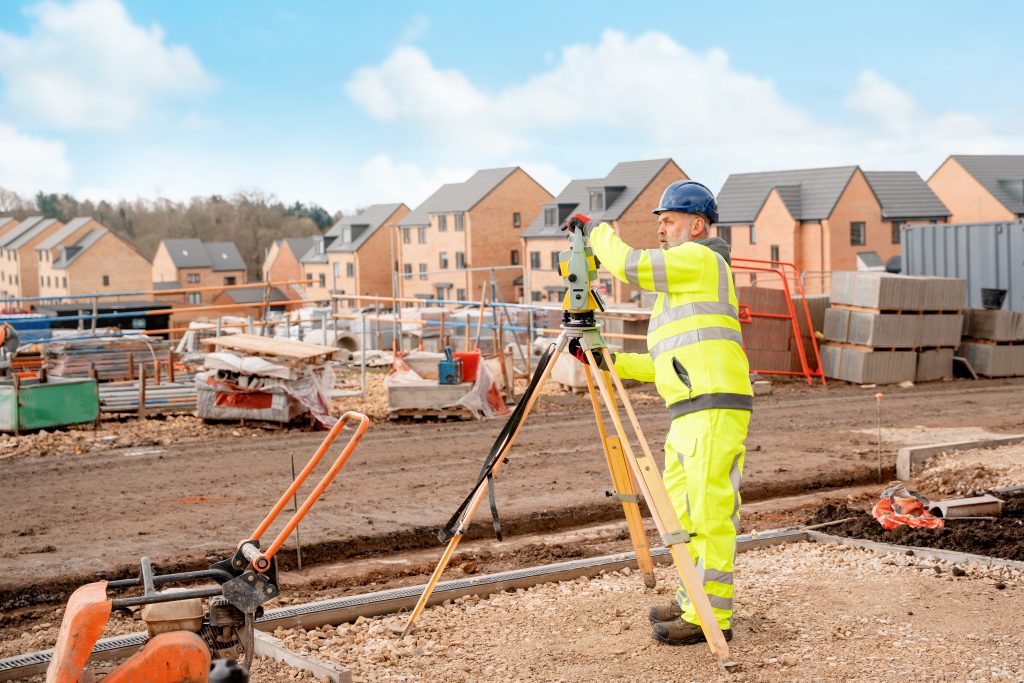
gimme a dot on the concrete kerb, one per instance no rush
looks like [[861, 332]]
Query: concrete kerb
[[266, 645], [907, 459]]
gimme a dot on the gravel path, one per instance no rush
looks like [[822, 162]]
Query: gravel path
[[805, 612]]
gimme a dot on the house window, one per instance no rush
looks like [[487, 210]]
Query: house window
[[554, 260], [350, 269], [323, 279], [596, 200], [857, 234], [775, 253], [230, 280], [553, 296], [442, 223], [318, 245], [106, 280], [534, 296], [442, 260], [517, 220], [42, 281], [535, 259], [460, 222], [421, 234], [406, 235], [195, 298], [193, 278], [64, 282], [460, 294], [407, 269], [514, 257], [725, 232], [442, 291], [753, 235], [460, 259], [896, 225], [550, 216], [423, 270], [337, 270]]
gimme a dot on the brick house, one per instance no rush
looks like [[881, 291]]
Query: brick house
[[822, 219], [474, 224], [91, 260], [192, 263], [981, 188], [250, 300], [19, 268], [282, 262], [624, 198], [352, 257]]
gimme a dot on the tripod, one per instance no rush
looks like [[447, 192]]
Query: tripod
[[628, 471]]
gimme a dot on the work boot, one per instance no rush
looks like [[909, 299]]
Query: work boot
[[669, 612], [679, 632]]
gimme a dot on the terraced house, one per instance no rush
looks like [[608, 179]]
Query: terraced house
[[352, 257], [624, 198], [981, 188], [282, 262], [19, 268], [182, 263], [474, 225], [822, 219], [84, 257]]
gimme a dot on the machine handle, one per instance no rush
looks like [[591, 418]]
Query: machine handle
[[261, 562]]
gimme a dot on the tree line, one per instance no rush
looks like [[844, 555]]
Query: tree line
[[251, 219]]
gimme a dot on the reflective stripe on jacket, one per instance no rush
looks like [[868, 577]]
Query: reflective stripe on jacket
[[696, 359]]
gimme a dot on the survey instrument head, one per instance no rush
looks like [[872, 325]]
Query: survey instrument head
[[578, 266]]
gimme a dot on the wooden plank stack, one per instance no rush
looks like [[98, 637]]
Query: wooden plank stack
[[994, 342], [884, 329], [114, 358]]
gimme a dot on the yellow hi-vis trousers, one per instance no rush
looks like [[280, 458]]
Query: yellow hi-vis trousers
[[704, 455]]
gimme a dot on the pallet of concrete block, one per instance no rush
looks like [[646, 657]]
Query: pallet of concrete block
[[994, 342], [862, 365], [887, 292]]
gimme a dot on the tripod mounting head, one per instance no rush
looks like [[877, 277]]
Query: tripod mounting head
[[578, 266]]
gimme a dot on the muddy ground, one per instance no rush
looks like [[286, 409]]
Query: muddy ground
[[74, 515]]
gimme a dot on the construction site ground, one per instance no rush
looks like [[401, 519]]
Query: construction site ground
[[185, 493]]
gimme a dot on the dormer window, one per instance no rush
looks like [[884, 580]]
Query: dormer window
[[318, 245], [597, 200], [550, 215], [346, 235]]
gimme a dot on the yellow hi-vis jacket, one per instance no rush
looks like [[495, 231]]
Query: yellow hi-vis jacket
[[696, 360]]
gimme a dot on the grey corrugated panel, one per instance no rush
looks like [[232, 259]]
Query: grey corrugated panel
[[59, 236], [373, 217], [456, 197], [989, 169], [574, 193], [903, 194], [820, 188], [987, 255]]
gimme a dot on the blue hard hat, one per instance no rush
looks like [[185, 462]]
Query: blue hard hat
[[689, 196]]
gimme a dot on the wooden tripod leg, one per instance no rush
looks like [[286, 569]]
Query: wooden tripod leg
[[625, 488], [479, 495], [649, 479]]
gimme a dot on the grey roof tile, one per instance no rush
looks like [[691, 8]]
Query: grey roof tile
[[72, 252], [360, 227], [990, 169], [19, 229], [253, 295], [194, 253], [456, 197], [64, 233], [23, 237], [903, 194], [743, 194], [299, 245], [569, 199], [224, 256]]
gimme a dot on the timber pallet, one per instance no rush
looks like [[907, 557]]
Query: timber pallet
[[993, 342], [895, 311], [865, 347], [428, 414]]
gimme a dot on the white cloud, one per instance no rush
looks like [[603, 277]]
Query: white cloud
[[415, 29], [646, 96], [382, 179], [29, 164], [87, 66]]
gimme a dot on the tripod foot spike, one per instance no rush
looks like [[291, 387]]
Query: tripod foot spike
[[650, 581], [728, 665]]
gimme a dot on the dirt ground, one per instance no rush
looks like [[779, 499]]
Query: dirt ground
[[188, 499], [804, 612]]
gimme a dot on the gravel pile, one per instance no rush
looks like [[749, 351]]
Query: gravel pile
[[805, 612], [964, 473]]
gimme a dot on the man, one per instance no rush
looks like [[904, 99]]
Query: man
[[697, 363]]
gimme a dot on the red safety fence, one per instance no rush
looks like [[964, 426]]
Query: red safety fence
[[778, 339]]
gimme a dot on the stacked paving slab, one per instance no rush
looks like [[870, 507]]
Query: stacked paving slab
[[885, 329], [994, 342], [770, 342]]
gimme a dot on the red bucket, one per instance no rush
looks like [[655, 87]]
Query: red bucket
[[470, 363]]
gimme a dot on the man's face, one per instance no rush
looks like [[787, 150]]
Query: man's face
[[675, 228]]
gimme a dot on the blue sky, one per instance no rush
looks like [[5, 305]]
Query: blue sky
[[346, 104]]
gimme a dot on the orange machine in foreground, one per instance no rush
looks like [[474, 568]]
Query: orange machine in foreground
[[188, 628]]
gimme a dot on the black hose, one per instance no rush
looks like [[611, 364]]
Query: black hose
[[504, 436]]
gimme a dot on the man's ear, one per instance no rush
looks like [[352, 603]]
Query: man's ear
[[698, 226]]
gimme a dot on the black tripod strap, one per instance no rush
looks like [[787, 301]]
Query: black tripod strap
[[504, 436]]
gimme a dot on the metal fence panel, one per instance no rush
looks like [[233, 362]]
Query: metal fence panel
[[988, 255]]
